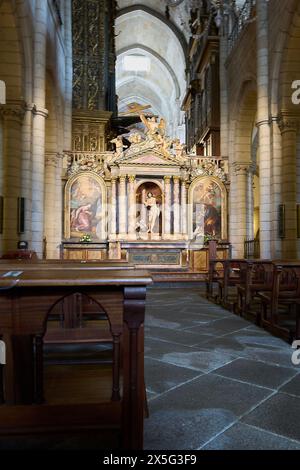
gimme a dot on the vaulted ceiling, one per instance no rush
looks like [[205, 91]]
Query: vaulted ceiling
[[151, 46]]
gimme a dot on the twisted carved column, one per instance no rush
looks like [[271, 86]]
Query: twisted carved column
[[184, 228], [131, 209], [167, 208], [176, 208], [113, 208], [122, 208]]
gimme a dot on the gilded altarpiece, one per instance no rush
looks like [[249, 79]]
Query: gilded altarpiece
[[148, 202]]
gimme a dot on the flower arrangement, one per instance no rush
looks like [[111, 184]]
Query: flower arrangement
[[86, 238], [208, 237]]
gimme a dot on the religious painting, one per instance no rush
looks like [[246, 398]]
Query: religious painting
[[149, 210], [207, 209], [85, 207]]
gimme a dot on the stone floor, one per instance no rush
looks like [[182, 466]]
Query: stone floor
[[214, 380]]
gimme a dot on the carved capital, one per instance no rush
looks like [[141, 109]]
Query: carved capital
[[131, 178], [243, 168], [13, 111], [287, 122], [167, 179], [176, 179], [122, 179], [52, 159]]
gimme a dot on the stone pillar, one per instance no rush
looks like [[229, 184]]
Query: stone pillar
[[26, 174], [184, 228], [167, 208], [67, 4], [131, 209], [276, 187], [288, 126], [122, 209], [264, 135], [250, 204], [38, 128], [12, 114], [113, 209], [176, 208], [239, 234], [51, 228]]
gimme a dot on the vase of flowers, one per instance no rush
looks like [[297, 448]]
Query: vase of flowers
[[86, 238], [208, 237]]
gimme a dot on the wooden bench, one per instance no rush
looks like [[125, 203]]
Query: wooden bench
[[279, 305], [256, 277], [232, 272], [25, 303]]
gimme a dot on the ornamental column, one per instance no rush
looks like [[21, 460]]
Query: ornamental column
[[167, 207], [38, 128], [288, 126], [113, 209], [122, 208], [176, 209], [131, 209], [51, 229], [184, 228]]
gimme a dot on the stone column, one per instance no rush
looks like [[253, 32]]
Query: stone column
[[176, 208], [67, 4], [50, 230], [167, 208], [122, 208], [131, 209], [113, 209], [184, 228], [239, 234], [264, 135], [250, 204], [38, 128], [12, 115], [26, 174], [288, 127]]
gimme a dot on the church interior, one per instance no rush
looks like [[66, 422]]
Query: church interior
[[149, 224]]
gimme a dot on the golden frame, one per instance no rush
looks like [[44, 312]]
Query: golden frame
[[224, 232], [67, 199]]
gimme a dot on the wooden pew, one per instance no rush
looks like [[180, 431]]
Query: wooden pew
[[258, 276], [25, 302], [232, 272], [281, 302]]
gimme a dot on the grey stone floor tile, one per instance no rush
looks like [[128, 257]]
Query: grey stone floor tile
[[187, 338], [187, 417], [160, 377], [257, 373], [195, 359], [293, 386], [258, 338], [244, 437], [280, 415]]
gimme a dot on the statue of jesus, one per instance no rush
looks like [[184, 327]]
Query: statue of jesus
[[150, 203]]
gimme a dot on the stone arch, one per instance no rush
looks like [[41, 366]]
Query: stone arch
[[162, 18]]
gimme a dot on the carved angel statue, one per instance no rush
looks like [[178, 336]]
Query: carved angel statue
[[134, 138], [154, 127], [179, 148], [118, 141]]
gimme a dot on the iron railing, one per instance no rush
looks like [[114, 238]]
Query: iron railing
[[252, 249], [245, 15]]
